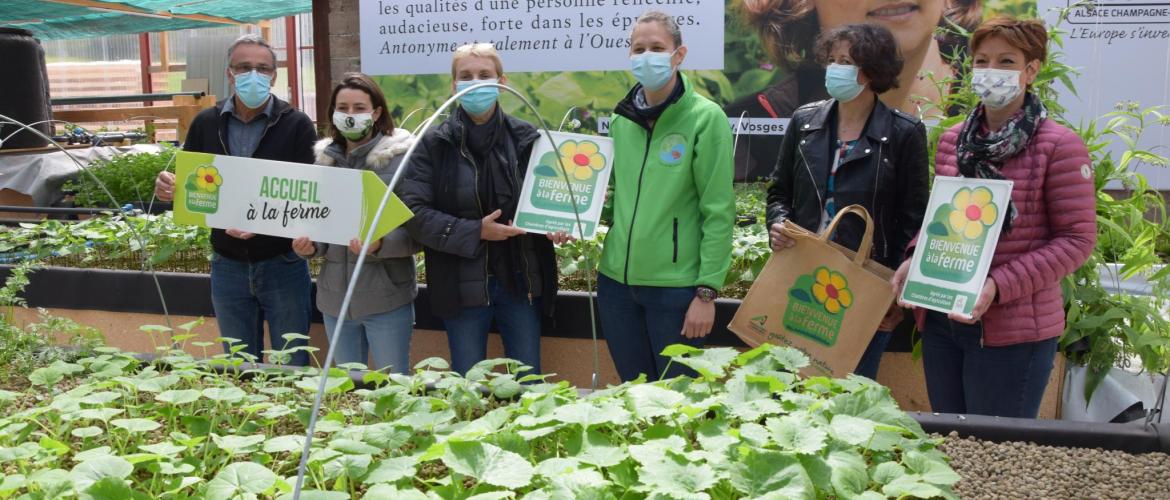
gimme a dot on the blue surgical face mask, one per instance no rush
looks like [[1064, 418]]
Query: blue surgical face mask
[[841, 82], [652, 69], [252, 88], [478, 101]]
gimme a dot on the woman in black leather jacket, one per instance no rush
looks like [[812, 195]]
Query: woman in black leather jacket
[[853, 150]]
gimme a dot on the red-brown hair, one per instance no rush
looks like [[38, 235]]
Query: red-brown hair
[[1028, 35]]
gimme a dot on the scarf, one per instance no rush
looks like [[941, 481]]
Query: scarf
[[981, 156], [494, 153]]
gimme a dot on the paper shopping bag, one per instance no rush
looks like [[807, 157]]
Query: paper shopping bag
[[818, 297]]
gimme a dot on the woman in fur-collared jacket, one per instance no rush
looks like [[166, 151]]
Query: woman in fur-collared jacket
[[381, 314]]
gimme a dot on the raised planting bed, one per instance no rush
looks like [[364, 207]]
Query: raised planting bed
[[113, 426], [118, 302]]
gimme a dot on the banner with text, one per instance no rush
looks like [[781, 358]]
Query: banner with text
[[570, 58], [329, 205], [956, 243], [546, 201], [404, 38], [1121, 49]]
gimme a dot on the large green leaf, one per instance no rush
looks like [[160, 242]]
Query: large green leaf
[[763, 472], [674, 475], [135, 425], [241, 480], [489, 464], [391, 470], [849, 476], [851, 430], [91, 471], [649, 401], [797, 432]]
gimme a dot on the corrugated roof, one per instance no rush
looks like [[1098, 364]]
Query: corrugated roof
[[62, 19]]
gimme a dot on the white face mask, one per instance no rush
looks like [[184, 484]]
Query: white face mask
[[996, 87], [355, 126]]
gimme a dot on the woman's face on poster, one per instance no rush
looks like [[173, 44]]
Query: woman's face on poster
[[911, 21]]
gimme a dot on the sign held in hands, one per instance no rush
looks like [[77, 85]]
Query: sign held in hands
[[546, 200], [956, 243], [329, 205]]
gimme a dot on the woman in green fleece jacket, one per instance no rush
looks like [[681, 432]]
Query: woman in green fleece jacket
[[669, 248]]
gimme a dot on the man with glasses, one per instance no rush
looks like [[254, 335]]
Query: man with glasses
[[254, 277]]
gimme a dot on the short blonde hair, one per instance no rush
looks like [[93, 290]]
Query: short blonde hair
[[481, 49]]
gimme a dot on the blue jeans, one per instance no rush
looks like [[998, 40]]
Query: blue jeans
[[964, 377], [639, 322], [872, 358], [245, 294], [386, 335], [518, 321]]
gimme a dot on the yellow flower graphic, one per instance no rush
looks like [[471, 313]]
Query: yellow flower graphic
[[208, 179], [973, 212], [581, 159], [832, 290]]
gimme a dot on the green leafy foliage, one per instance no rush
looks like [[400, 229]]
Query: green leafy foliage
[[129, 177], [93, 432]]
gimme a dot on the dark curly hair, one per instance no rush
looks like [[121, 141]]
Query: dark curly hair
[[873, 50], [788, 28]]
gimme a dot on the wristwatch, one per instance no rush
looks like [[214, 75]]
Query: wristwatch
[[706, 293]]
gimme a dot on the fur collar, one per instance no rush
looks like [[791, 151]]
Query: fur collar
[[387, 148]]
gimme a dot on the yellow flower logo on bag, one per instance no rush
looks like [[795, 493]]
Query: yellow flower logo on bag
[[973, 212], [581, 159], [202, 188], [817, 303], [208, 179], [832, 291]]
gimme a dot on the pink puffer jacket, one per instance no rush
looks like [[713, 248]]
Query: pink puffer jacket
[[1053, 235]]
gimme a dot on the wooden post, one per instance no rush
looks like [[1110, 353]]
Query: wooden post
[[321, 66], [291, 51], [164, 49], [144, 62]]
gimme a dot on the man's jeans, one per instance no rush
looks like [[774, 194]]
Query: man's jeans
[[245, 294], [639, 322], [518, 321]]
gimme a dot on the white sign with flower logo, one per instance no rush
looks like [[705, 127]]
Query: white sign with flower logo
[[573, 172], [956, 243]]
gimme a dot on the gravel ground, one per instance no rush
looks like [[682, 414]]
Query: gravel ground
[[1017, 470]]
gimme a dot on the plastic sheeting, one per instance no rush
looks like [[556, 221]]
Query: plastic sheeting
[[50, 20]]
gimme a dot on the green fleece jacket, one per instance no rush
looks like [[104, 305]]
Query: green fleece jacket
[[673, 203]]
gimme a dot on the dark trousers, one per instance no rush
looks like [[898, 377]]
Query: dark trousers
[[963, 376]]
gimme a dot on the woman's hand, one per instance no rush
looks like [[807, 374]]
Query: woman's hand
[[982, 304], [560, 237], [355, 246], [899, 281], [490, 230], [779, 240], [304, 247]]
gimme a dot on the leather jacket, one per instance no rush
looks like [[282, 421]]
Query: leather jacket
[[886, 172]]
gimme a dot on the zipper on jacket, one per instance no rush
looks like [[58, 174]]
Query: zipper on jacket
[[637, 198], [675, 260], [479, 206], [877, 175]]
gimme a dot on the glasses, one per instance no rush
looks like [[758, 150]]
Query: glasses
[[248, 68]]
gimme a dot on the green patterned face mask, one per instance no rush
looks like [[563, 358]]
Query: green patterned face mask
[[353, 127]]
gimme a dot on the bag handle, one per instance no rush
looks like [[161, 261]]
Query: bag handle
[[863, 251]]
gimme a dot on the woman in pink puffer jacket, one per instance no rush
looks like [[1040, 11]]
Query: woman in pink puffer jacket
[[997, 362]]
